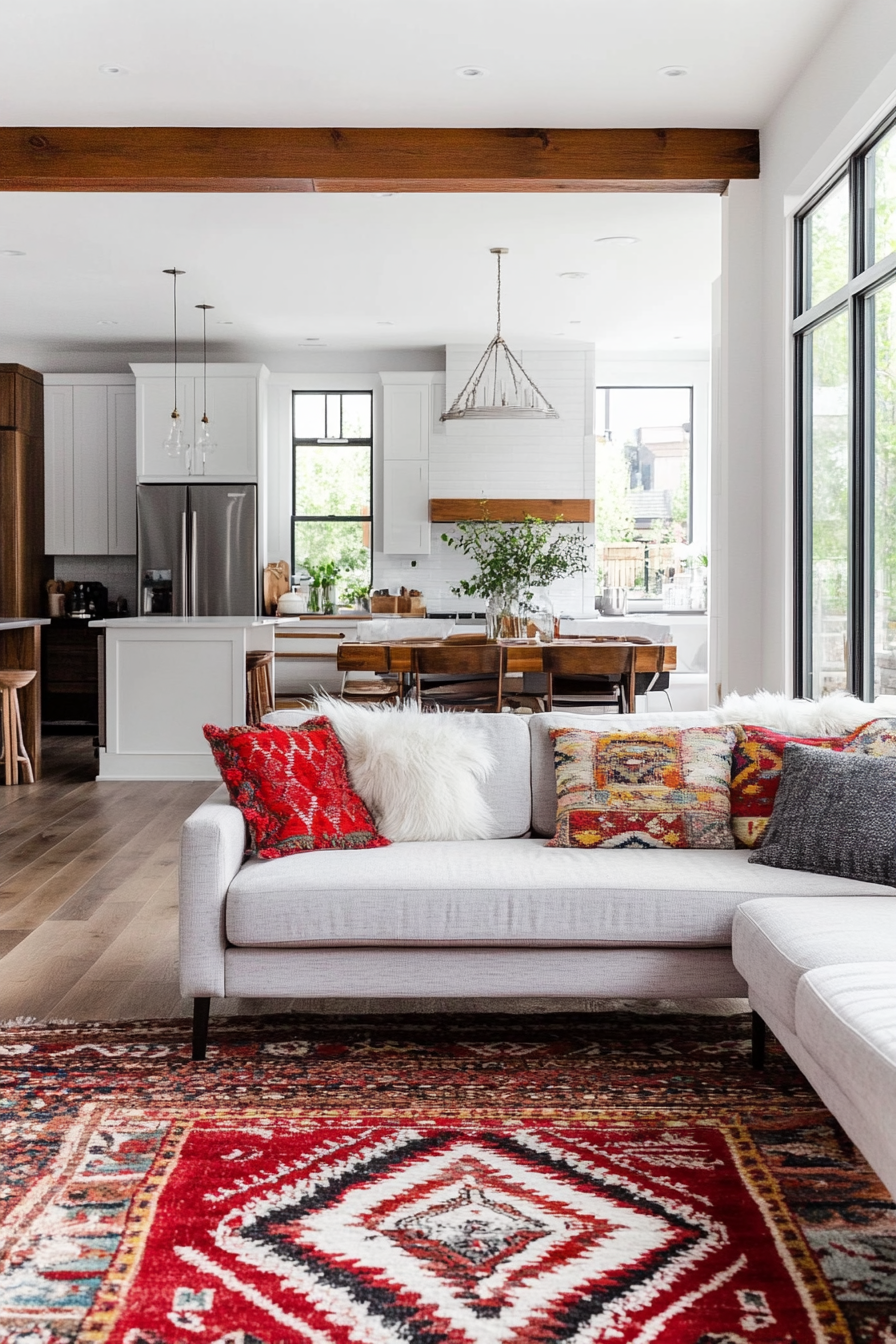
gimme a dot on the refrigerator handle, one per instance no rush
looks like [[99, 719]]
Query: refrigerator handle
[[183, 565], [194, 565]]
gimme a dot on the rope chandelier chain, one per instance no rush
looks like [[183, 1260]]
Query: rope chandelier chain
[[513, 395]]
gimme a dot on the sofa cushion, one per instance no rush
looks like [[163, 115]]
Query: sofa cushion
[[757, 760], [833, 814], [544, 784], [505, 892], [292, 788], [506, 790], [845, 1020], [661, 788], [775, 942]]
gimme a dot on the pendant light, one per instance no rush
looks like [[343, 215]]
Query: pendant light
[[175, 444], [205, 444], [499, 388]]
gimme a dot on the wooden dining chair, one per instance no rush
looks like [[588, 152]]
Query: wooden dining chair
[[589, 676], [482, 666]]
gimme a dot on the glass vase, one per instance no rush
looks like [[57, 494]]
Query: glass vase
[[328, 599], [503, 617], [539, 615]]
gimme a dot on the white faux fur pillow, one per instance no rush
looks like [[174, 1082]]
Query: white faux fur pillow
[[419, 774], [831, 716]]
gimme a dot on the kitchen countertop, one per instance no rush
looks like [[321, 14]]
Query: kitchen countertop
[[22, 622], [185, 622]]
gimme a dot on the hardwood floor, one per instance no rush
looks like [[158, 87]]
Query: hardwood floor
[[88, 904]]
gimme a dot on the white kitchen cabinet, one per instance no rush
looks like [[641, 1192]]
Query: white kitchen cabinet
[[155, 402], [406, 527], [407, 412], [90, 465], [121, 479], [406, 422], [234, 400]]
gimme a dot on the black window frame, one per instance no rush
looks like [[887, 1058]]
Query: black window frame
[[298, 443], [856, 298]]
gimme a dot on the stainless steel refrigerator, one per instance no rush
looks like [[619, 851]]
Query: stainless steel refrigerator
[[197, 552]]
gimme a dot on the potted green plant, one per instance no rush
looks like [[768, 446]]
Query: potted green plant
[[322, 594], [513, 561], [358, 595]]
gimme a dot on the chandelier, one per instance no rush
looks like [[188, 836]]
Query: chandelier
[[499, 388]]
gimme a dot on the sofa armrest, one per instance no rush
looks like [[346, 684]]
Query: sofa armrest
[[212, 845]]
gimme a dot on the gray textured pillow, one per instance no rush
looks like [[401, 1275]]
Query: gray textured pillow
[[834, 813]]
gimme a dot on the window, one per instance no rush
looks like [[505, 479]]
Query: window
[[643, 469], [844, 332], [332, 475]]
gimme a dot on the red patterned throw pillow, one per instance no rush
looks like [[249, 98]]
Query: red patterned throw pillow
[[756, 769], [292, 787], [665, 788]]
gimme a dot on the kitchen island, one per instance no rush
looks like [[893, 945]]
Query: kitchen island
[[20, 649], [166, 676]]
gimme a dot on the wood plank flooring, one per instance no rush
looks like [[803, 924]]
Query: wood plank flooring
[[88, 904]]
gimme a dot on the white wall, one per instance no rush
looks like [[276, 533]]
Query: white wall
[[552, 458], [842, 91]]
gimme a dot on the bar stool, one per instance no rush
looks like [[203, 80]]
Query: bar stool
[[14, 754], [259, 691]]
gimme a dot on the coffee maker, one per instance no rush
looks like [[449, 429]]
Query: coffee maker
[[88, 601]]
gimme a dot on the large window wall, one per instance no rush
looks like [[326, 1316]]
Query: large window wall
[[845, 366]]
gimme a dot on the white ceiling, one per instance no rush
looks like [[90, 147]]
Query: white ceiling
[[282, 268], [393, 62]]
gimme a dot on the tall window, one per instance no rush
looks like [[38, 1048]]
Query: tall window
[[643, 470], [845, 415], [332, 490]]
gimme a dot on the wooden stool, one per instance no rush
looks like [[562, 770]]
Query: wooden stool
[[14, 753], [259, 691]]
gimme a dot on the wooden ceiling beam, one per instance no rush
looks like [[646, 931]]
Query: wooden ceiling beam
[[259, 159]]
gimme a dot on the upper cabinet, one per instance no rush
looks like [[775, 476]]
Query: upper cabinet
[[90, 505], [407, 414], [234, 398]]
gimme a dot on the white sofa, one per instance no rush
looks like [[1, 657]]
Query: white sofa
[[497, 918], [822, 976]]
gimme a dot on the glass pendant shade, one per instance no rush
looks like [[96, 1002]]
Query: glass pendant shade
[[175, 444]]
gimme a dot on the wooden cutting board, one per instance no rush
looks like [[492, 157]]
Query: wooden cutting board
[[276, 582]]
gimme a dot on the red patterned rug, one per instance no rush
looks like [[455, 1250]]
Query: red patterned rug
[[430, 1181]]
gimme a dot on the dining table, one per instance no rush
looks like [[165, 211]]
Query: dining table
[[396, 656]]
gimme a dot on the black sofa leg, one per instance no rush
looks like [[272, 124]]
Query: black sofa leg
[[200, 1026], [757, 1055]]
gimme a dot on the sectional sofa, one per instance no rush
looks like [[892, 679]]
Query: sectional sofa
[[506, 916]]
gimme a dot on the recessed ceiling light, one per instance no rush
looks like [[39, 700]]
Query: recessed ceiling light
[[12, 252], [113, 70], [618, 239], [573, 275], [107, 322], [673, 71], [470, 71]]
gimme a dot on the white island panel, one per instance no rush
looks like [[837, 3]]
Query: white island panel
[[164, 679], [168, 681]]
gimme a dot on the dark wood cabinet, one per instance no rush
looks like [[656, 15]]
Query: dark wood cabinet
[[70, 675], [23, 565]]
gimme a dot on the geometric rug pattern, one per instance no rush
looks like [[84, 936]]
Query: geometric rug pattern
[[413, 1180]]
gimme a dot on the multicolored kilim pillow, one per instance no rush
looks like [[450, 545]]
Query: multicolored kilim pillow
[[658, 789], [756, 769], [292, 787]]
